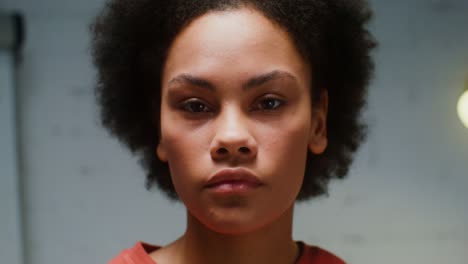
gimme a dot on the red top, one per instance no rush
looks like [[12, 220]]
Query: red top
[[139, 254]]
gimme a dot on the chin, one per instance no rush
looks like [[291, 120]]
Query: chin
[[234, 228], [235, 222]]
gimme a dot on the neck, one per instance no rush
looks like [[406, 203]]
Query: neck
[[270, 244]]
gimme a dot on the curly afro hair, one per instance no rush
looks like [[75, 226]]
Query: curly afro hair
[[130, 39]]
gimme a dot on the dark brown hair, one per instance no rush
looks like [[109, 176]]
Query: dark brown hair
[[130, 39]]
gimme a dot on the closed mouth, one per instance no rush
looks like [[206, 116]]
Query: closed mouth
[[233, 177]]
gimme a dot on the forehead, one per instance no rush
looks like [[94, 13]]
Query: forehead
[[240, 41]]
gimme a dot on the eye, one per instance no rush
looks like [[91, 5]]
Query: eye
[[194, 106], [269, 104]]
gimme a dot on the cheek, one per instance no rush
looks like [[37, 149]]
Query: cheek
[[284, 157], [182, 141], [290, 136], [183, 157], [187, 151], [285, 150]]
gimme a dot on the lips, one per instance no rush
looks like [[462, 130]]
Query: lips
[[233, 178]]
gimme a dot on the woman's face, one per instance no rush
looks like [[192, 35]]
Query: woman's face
[[237, 120]]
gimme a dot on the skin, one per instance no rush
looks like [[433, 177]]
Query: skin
[[236, 94]]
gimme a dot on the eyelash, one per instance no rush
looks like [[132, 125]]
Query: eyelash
[[188, 105], [277, 103], [197, 106]]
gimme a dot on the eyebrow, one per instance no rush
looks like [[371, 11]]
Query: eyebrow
[[251, 83]]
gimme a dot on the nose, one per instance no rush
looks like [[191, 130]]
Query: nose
[[232, 140]]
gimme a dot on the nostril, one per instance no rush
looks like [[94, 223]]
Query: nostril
[[222, 151], [244, 150]]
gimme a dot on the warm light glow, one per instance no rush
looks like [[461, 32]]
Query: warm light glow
[[462, 108]]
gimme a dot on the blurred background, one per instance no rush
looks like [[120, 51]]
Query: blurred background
[[71, 194]]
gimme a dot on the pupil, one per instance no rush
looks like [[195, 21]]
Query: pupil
[[198, 107], [269, 104]]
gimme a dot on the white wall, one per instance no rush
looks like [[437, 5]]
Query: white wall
[[404, 202]]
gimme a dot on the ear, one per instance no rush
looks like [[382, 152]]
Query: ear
[[318, 133], [161, 152]]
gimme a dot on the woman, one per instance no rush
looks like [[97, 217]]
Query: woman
[[238, 109]]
